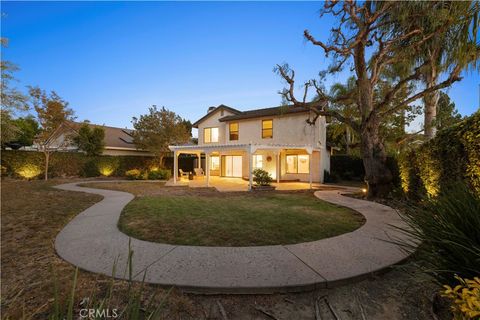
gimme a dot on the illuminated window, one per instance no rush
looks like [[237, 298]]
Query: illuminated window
[[303, 163], [257, 161], [214, 163], [298, 163], [233, 128], [267, 129], [210, 135]]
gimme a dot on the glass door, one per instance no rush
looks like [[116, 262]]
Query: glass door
[[232, 166]]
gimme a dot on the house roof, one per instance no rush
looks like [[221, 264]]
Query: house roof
[[212, 111], [265, 112], [114, 137]]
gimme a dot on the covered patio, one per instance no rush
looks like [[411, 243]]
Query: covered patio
[[225, 184], [236, 163]]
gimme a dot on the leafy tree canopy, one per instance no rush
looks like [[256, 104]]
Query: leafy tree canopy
[[28, 128], [12, 100], [447, 113], [91, 141], [51, 110], [158, 129]]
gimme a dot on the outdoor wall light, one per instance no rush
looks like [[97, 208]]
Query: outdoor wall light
[[28, 171]]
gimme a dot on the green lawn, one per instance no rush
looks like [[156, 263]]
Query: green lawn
[[235, 219]]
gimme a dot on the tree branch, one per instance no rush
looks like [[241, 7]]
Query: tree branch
[[454, 77], [400, 84]]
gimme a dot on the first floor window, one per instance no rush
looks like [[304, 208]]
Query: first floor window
[[210, 135], [257, 161], [214, 163], [298, 163]]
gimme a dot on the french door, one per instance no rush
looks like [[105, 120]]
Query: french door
[[232, 166]]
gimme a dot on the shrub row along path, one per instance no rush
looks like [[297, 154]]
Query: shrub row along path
[[93, 242]]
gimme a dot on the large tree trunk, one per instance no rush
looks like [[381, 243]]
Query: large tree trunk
[[430, 101], [377, 175]]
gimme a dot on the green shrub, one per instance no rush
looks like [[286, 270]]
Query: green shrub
[[133, 174], [409, 179], [452, 156], [262, 177], [90, 169], [448, 228], [159, 174]]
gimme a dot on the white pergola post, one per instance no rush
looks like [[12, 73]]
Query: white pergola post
[[199, 164], [175, 167], [277, 164], [310, 169], [250, 168], [207, 168]]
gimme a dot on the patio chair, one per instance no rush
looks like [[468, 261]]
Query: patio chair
[[183, 173], [199, 172]]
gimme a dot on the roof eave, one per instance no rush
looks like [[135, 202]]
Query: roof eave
[[222, 106]]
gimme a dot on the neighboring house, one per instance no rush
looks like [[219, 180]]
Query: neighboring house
[[118, 141], [278, 140]]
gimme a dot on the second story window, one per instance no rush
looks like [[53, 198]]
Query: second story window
[[267, 129], [210, 135], [233, 129]]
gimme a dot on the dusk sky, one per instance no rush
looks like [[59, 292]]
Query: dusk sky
[[112, 60]]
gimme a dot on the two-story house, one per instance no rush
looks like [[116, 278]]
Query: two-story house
[[278, 140]]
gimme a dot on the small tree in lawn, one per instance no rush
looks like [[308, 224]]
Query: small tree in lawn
[[51, 111], [91, 141], [158, 129]]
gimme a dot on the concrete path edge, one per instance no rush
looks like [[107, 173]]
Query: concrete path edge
[[93, 242]]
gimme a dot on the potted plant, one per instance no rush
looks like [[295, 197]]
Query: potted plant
[[262, 180]]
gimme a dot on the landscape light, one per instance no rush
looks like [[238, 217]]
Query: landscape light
[[106, 170], [28, 171]]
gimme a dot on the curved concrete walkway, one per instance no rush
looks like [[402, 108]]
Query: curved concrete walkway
[[93, 242]]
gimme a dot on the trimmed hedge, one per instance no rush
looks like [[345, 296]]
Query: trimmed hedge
[[452, 156], [30, 164]]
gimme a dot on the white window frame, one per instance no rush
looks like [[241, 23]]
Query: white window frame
[[210, 135], [257, 159], [296, 157]]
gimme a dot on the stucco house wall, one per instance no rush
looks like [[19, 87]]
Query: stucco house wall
[[291, 135], [212, 121], [287, 129]]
